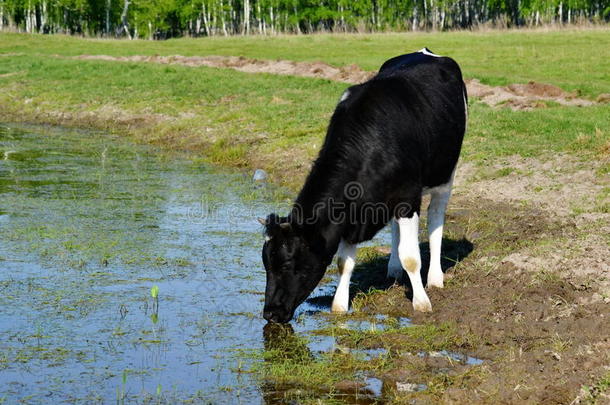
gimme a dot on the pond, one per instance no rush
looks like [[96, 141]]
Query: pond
[[91, 225]]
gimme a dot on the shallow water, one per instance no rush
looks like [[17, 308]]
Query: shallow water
[[89, 223]]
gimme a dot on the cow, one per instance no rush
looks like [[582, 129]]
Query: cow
[[391, 140]]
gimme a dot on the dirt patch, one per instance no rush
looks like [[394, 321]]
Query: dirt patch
[[515, 96], [563, 189], [523, 96], [347, 74], [562, 185], [542, 335]]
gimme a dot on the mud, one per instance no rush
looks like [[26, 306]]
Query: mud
[[542, 335], [565, 189], [514, 96]]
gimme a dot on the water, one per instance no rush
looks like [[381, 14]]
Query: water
[[89, 223]]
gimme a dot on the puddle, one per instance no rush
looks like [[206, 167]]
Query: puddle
[[377, 323], [374, 386]]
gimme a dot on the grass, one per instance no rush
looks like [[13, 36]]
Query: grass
[[293, 368], [287, 362], [568, 58], [599, 392], [414, 338], [278, 122]]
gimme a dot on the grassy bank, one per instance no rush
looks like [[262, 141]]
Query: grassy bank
[[278, 122]]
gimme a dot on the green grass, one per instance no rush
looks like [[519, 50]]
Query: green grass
[[278, 122], [413, 338], [599, 392], [288, 362], [572, 59]]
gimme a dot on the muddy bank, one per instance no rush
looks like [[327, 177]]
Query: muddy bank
[[541, 332], [514, 96]]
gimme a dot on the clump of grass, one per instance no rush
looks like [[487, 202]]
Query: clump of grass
[[413, 338], [287, 361], [599, 392], [440, 382]]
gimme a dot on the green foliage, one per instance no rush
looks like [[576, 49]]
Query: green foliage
[[159, 19]]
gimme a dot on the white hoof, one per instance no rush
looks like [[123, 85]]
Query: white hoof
[[435, 279], [422, 304], [339, 308]]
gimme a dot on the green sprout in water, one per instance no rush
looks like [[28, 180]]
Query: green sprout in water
[[154, 291], [154, 317]]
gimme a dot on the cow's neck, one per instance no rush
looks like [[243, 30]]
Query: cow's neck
[[318, 212]]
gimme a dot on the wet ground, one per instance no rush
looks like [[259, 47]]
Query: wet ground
[[93, 228], [89, 224]]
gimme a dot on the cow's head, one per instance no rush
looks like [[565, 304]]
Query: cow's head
[[293, 269]]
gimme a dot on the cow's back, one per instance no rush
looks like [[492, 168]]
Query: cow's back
[[392, 136], [410, 117]]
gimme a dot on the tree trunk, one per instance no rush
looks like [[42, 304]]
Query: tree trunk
[[259, 18], [415, 22], [124, 23], [296, 18], [206, 23], [108, 6], [27, 19], [272, 18], [246, 22], [222, 19]]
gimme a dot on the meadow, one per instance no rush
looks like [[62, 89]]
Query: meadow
[[527, 238]]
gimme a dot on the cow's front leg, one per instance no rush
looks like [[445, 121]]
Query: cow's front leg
[[346, 260], [408, 252]]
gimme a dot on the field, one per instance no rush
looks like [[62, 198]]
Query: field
[[527, 239]]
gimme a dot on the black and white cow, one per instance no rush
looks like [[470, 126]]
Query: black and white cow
[[390, 140]]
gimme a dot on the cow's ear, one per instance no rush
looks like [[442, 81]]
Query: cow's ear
[[262, 221], [272, 224]]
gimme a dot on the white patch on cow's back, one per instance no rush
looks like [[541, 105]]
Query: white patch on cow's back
[[425, 51], [344, 96]]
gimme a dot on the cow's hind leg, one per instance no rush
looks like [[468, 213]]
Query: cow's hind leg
[[346, 260], [408, 252], [436, 219], [394, 267]]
